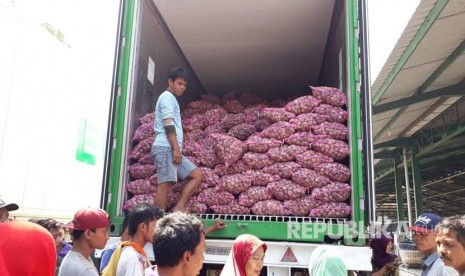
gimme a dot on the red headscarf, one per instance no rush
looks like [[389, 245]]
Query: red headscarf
[[243, 248], [26, 249]]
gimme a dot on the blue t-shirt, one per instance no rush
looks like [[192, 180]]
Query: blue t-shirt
[[167, 107], [106, 255]]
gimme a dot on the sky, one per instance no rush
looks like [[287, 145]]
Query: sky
[[387, 21]]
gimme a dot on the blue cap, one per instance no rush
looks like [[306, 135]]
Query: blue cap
[[425, 223]]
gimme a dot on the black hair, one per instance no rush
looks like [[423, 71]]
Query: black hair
[[125, 223], [178, 72], [454, 223], [175, 234], [142, 213], [49, 223], [77, 234], [34, 220]]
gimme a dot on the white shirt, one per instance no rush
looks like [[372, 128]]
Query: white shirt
[[74, 264], [131, 263], [151, 271]]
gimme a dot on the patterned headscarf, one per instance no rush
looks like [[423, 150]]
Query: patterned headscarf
[[243, 248]]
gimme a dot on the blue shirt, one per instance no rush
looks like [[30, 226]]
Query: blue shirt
[[167, 107], [433, 265], [106, 255]]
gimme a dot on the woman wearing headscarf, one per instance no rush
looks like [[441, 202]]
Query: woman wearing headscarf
[[246, 257], [323, 262], [384, 262]]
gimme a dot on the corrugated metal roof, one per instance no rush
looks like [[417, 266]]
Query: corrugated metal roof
[[444, 36], [409, 32], [428, 58]]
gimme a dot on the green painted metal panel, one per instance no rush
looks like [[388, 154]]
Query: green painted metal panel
[[421, 33], [417, 182], [386, 154], [119, 122], [447, 152], [86, 147], [358, 214], [453, 90], [280, 231], [398, 142], [443, 139], [399, 192]]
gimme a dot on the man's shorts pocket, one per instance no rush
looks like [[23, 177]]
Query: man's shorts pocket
[[160, 155]]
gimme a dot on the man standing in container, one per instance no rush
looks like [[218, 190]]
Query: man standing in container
[[424, 236], [167, 148]]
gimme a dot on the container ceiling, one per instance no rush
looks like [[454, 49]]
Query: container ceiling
[[250, 45]]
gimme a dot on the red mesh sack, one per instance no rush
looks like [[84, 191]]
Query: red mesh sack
[[332, 130], [285, 190], [252, 195], [283, 169], [331, 210], [302, 105], [309, 178], [285, 153], [334, 171], [334, 192], [304, 122], [270, 207], [335, 114], [301, 206], [279, 131], [234, 183], [304, 139], [336, 149], [311, 159], [329, 95]]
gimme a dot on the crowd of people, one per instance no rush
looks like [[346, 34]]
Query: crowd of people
[[37, 247], [178, 243]]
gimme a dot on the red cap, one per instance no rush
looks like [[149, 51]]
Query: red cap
[[89, 218], [420, 229]]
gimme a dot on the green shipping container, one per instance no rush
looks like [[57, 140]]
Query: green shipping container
[[274, 48]]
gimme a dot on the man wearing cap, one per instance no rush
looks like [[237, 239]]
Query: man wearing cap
[[450, 239], [424, 236], [5, 208], [90, 231]]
